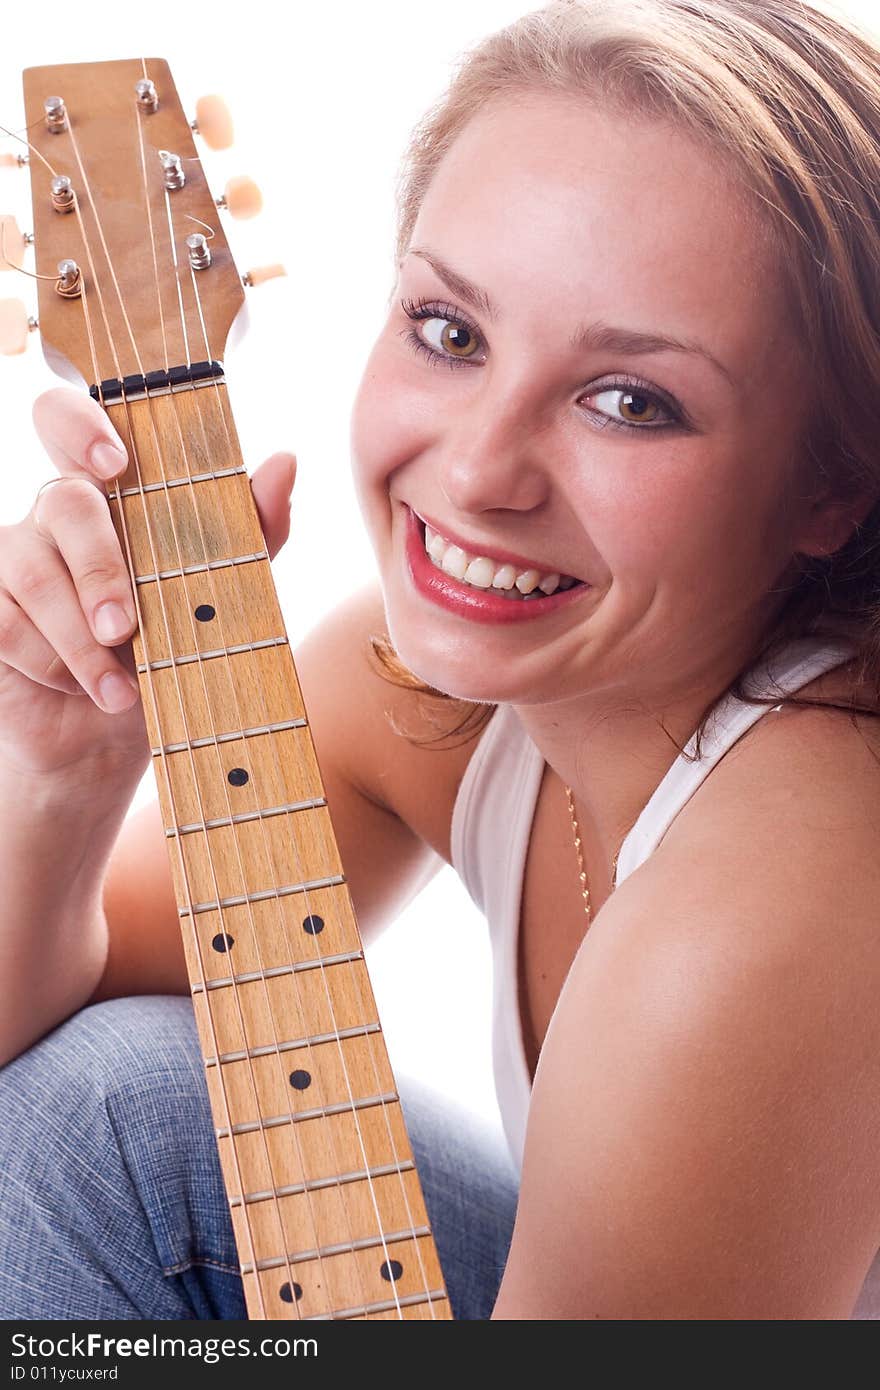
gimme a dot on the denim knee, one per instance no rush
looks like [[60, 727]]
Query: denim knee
[[109, 1176]]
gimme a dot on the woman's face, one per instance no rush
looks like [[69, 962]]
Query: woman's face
[[656, 475]]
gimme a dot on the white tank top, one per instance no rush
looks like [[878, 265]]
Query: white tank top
[[492, 822]]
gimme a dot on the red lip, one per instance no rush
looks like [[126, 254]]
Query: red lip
[[502, 556], [480, 605]]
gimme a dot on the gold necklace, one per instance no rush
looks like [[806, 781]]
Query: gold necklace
[[585, 889]]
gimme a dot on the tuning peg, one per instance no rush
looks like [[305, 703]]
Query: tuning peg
[[241, 198], [13, 161], [14, 327], [261, 273], [12, 243], [213, 122]]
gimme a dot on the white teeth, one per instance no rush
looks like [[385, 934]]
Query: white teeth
[[454, 562], [480, 572], [527, 581], [505, 578], [484, 573]]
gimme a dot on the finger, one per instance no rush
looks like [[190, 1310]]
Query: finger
[[77, 434], [75, 519], [43, 588], [25, 649], [271, 485]]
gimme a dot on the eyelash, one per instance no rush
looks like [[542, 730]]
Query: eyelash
[[425, 309]]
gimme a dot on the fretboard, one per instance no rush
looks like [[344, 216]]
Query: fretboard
[[326, 1204]]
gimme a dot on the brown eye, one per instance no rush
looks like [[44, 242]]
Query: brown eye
[[454, 338], [630, 406]]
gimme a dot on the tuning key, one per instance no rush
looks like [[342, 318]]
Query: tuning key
[[12, 243], [213, 122], [14, 327], [241, 198], [261, 273], [13, 161]]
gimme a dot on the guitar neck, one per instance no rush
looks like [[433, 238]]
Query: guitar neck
[[326, 1204]]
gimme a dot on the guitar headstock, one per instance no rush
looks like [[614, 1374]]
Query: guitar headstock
[[119, 193]]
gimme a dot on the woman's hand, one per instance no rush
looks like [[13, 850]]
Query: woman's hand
[[68, 689]]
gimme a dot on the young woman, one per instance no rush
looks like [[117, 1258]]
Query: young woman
[[616, 449]]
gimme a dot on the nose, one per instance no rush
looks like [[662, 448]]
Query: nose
[[496, 455]]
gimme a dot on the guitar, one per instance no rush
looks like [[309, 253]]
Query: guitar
[[137, 297]]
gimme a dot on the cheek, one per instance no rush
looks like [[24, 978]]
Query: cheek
[[700, 518], [385, 422]]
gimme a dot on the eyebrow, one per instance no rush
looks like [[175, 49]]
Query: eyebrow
[[594, 336]]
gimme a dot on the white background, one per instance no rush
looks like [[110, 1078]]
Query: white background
[[323, 99]]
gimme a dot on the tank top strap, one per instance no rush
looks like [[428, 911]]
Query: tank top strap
[[800, 662]]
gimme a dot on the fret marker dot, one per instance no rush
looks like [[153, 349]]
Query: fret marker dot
[[313, 924], [289, 1292], [205, 612], [223, 941], [300, 1080], [391, 1270], [238, 776]]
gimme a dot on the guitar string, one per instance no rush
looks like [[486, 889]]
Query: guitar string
[[219, 608], [97, 374], [352, 967], [200, 664], [32, 148], [142, 629], [355, 981]]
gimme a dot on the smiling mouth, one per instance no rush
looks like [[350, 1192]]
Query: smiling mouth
[[519, 582]]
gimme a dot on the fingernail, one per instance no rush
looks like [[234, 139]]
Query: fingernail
[[111, 622], [117, 692], [107, 459]]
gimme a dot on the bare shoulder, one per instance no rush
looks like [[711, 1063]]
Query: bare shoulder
[[362, 717], [714, 1058]]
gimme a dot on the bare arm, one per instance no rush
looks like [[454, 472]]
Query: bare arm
[[703, 1132], [54, 852]]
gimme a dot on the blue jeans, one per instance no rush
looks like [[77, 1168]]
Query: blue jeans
[[112, 1203]]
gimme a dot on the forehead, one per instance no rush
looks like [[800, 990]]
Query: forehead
[[621, 216]]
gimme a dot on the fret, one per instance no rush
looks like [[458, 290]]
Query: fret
[[284, 855], [317, 1184], [199, 986], [181, 526], [325, 1074], [232, 608], [161, 450], [279, 892], [385, 1305], [292, 1044], [317, 1112], [273, 931], [176, 482], [259, 1159], [202, 569], [185, 701], [143, 667], [351, 1278], [342, 1247], [262, 813], [297, 1003], [242, 775], [227, 737]]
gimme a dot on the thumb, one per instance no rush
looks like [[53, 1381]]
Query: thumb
[[271, 486]]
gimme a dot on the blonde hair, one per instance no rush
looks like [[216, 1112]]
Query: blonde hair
[[787, 95]]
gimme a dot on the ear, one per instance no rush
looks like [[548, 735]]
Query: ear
[[830, 521]]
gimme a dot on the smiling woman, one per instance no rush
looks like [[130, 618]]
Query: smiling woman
[[638, 512]]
